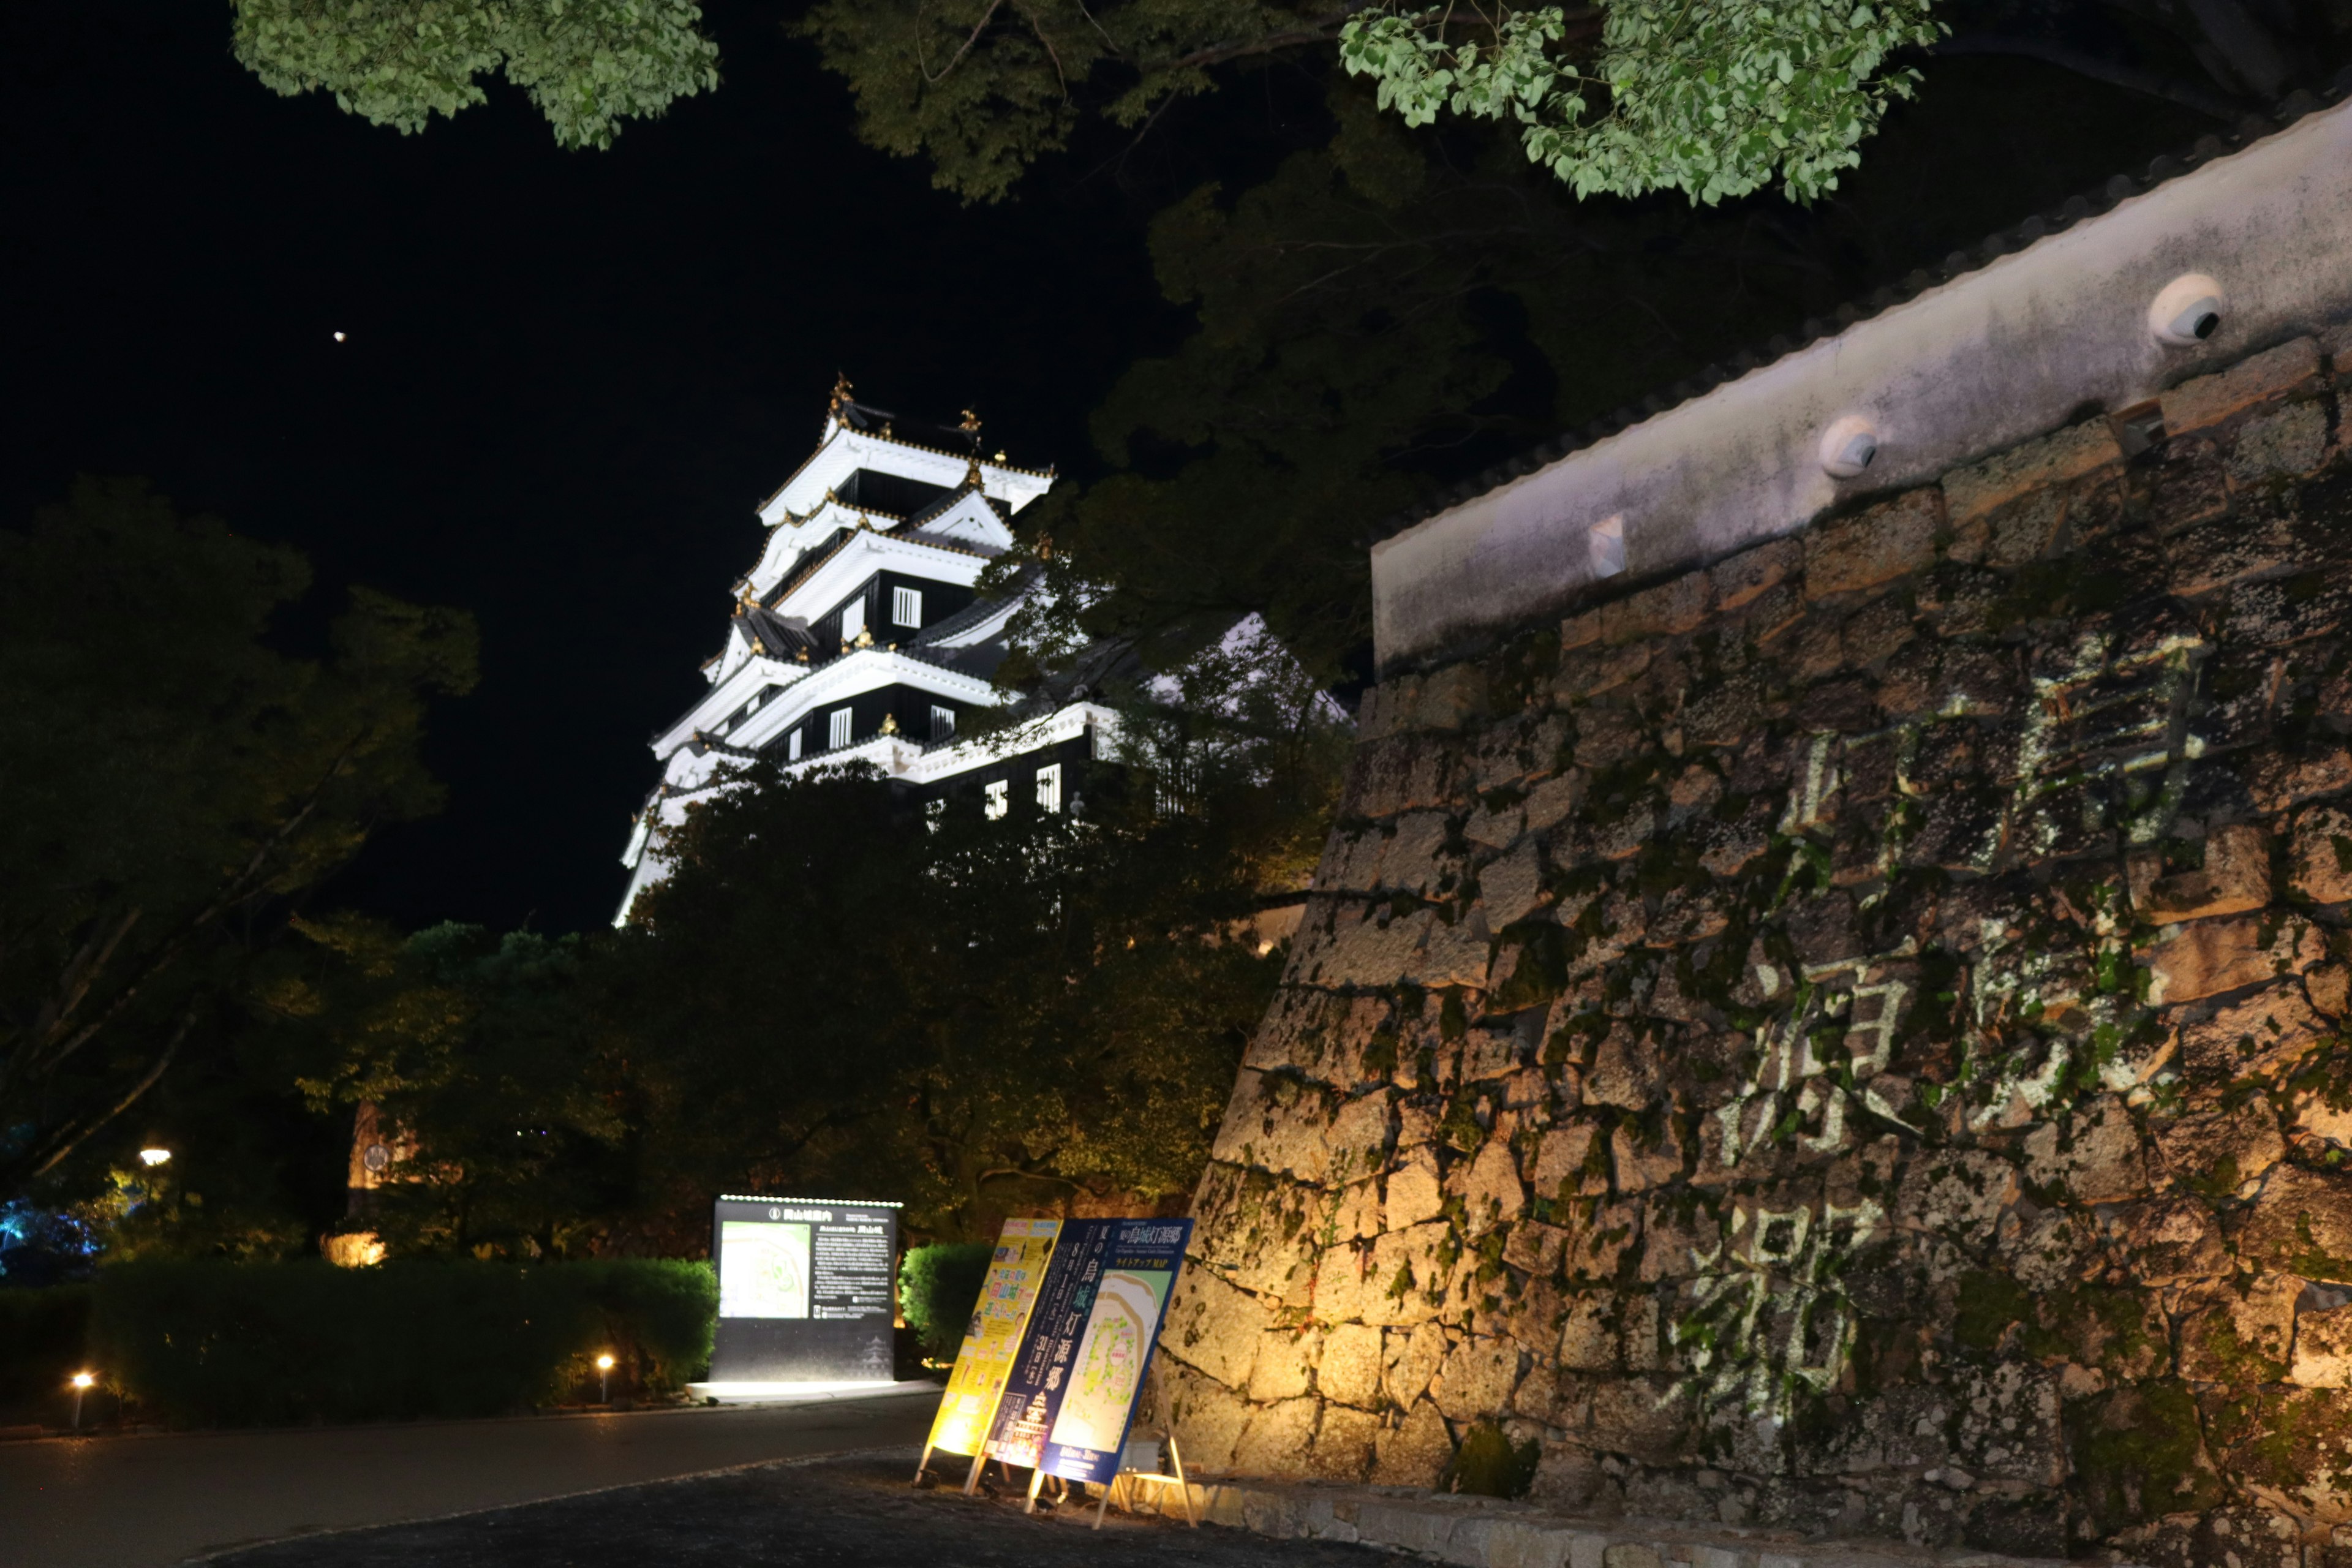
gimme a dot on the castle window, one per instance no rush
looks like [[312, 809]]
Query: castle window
[[839, 734], [906, 606], [995, 800], [934, 813], [942, 724], [1049, 787], [793, 745], [853, 618]]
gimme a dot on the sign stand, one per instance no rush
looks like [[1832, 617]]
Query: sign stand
[[1134, 1477]]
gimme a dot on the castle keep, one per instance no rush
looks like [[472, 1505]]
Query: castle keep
[[1827, 1004]]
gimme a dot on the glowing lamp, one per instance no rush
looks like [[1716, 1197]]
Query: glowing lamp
[[603, 1363], [83, 1380], [154, 1156]]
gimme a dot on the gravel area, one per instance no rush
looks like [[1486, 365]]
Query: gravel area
[[853, 1510]]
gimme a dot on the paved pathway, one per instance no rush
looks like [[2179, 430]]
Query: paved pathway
[[855, 1511], [149, 1501]]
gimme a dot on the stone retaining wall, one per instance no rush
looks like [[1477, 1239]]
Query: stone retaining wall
[[1846, 1040], [1487, 1532]]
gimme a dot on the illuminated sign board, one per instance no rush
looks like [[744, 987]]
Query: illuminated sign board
[[1071, 1393], [990, 1341], [805, 1290]]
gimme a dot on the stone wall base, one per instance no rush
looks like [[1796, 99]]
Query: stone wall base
[[1489, 1532]]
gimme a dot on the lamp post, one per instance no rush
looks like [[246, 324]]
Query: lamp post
[[81, 1383], [604, 1379]]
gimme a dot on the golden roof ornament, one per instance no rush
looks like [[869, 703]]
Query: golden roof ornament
[[841, 390], [866, 638], [971, 425], [889, 724]]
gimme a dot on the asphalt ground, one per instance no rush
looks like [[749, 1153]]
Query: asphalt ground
[[147, 1501], [854, 1511]]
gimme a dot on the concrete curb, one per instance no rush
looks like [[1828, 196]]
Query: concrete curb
[[1489, 1532]]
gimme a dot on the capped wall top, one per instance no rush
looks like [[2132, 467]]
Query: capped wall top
[[2245, 241]]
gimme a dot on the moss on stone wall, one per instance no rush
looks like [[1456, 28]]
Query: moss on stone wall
[[1851, 1036]]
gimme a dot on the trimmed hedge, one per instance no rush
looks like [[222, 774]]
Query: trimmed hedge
[[43, 1338], [938, 1286], [252, 1343]]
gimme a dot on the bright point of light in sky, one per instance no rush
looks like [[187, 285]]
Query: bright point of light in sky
[[338, 337]]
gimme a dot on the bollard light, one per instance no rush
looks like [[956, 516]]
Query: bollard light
[[82, 1385], [605, 1378]]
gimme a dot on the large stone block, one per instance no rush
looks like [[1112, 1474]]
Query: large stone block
[[2302, 1222], [1348, 1368], [2094, 1156], [2212, 957], [1207, 1416], [1414, 1451], [2271, 1027], [2323, 1348], [1973, 492], [2322, 855], [1891, 540], [1276, 1438], [1214, 1328], [2233, 1334], [1477, 1378], [1409, 1361], [2287, 370], [2219, 1150], [2235, 877]]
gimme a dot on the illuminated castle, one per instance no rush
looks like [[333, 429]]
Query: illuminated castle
[[857, 635]]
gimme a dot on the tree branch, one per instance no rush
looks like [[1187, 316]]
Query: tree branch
[[235, 889], [985, 18], [68, 1139]]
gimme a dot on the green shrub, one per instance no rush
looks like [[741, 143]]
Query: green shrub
[[44, 1336], [1489, 1466], [938, 1286], [248, 1343]]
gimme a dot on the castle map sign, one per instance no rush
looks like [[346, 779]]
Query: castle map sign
[[805, 1290], [1068, 1405]]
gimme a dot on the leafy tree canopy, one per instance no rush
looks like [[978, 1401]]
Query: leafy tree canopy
[[586, 65], [976, 1014], [490, 1047], [171, 775]]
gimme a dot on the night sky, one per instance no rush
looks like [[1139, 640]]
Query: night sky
[[569, 376]]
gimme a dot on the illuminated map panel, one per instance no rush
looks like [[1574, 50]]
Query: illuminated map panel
[[806, 1289]]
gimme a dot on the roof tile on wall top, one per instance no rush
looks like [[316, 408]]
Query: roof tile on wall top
[[1992, 248]]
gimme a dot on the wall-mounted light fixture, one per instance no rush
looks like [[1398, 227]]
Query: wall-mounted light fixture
[[2185, 311], [1849, 446]]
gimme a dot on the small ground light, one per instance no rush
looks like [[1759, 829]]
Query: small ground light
[[82, 1385], [154, 1156], [605, 1378]]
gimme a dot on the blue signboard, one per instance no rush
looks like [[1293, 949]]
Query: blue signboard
[[1067, 1406]]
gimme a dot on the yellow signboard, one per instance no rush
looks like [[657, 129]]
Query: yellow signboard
[[985, 1360]]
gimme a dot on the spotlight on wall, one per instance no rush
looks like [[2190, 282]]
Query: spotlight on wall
[[1848, 447], [2185, 311]]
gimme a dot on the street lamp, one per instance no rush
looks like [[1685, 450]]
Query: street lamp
[[154, 1157], [605, 1378], [81, 1385]]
